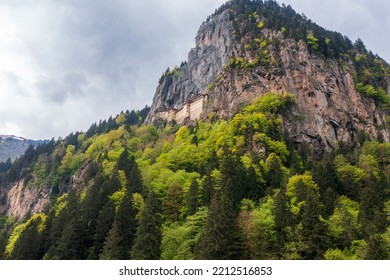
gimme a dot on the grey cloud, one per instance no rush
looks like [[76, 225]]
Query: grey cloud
[[70, 85], [94, 58]]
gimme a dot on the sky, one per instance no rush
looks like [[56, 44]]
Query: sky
[[67, 64]]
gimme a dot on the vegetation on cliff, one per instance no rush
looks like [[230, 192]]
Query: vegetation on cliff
[[229, 189]]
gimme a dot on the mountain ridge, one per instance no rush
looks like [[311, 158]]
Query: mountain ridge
[[12, 147], [322, 68]]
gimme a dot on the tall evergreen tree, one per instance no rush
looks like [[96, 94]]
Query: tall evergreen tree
[[314, 229], [113, 249], [283, 216], [172, 202], [371, 214], [275, 171], [104, 223], [192, 197], [148, 238], [221, 238], [123, 229]]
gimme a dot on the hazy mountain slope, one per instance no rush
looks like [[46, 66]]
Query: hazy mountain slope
[[13, 146]]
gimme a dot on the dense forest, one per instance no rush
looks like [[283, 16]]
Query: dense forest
[[237, 188], [227, 189]]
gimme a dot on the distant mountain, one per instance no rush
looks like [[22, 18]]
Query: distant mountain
[[13, 146]]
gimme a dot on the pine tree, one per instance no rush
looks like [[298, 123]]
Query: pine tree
[[207, 190], [72, 245], [220, 238], [275, 171], [192, 197], [371, 212], [112, 249], [104, 223], [121, 235], [254, 189], [148, 238], [314, 229], [233, 179], [172, 202]]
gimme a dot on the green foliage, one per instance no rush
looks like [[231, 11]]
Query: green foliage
[[379, 94], [22, 237], [272, 103], [257, 225], [312, 41], [343, 225], [179, 239], [229, 189], [147, 242]]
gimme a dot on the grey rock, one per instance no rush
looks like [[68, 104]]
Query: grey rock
[[213, 49]]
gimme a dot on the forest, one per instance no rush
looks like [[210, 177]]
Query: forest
[[222, 189], [233, 188]]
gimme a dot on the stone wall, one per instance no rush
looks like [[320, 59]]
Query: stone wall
[[192, 109], [196, 107], [183, 113]]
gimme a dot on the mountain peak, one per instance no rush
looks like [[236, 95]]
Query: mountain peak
[[13, 137], [12, 146], [248, 48]]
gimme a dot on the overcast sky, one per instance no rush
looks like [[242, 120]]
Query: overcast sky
[[67, 64]]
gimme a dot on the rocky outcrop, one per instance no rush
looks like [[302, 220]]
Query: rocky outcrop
[[21, 202], [214, 47], [328, 108]]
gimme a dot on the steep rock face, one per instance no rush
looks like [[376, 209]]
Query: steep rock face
[[212, 52], [328, 108], [21, 202]]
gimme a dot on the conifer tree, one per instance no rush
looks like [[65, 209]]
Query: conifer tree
[[220, 238], [104, 223], [121, 235], [254, 189], [314, 229], [283, 216], [192, 197], [113, 249], [371, 214], [275, 171], [172, 202], [207, 190], [148, 238]]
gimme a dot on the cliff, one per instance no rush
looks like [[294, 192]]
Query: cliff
[[212, 52], [22, 202], [328, 108], [243, 52]]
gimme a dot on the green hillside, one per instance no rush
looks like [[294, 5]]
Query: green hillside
[[217, 189]]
